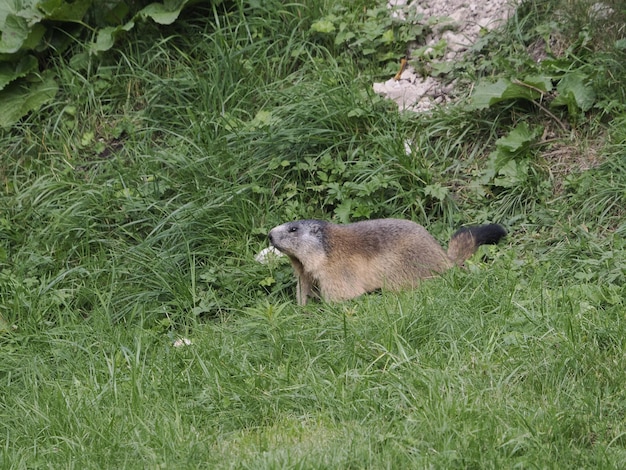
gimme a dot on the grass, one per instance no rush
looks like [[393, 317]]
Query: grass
[[276, 387], [132, 208]]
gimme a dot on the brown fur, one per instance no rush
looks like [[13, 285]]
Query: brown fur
[[345, 261]]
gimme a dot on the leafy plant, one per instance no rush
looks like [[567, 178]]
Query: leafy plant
[[573, 90], [512, 171], [32, 30], [487, 94], [551, 72], [370, 34]]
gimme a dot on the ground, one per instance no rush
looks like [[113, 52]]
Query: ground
[[459, 26]]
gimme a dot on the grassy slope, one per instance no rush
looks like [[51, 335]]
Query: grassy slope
[[133, 206]]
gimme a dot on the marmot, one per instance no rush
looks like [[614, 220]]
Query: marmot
[[344, 261]]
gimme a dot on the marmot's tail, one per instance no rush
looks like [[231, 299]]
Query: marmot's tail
[[466, 240]]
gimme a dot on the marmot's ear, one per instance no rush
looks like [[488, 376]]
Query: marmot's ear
[[315, 228]]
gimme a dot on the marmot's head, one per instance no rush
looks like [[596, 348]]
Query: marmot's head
[[303, 239]]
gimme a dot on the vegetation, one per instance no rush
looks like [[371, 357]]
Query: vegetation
[[134, 201], [31, 29]]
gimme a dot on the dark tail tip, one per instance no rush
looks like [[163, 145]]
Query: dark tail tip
[[466, 240], [488, 234]]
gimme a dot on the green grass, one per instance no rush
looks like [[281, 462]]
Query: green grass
[[474, 374], [132, 207]]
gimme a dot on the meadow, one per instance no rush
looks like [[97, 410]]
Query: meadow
[[133, 204]]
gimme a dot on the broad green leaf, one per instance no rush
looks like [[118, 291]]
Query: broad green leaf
[[323, 26], [61, 10], [343, 211], [540, 82], [163, 13], [436, 191], [512, 174], [106, 37], [25, 95], [19, 25], [574, 93], [486, 94], [26, 9], [388, 37], [13, 71], [33, 40], [87, 138], [344, 37], [15, 31], [114, 15], [262, 119], [519, 138]]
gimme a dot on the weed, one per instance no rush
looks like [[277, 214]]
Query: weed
[[133, 203]]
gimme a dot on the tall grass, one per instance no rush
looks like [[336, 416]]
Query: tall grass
[[132, 208]]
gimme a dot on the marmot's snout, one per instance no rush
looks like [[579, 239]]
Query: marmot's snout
[[274, 237]]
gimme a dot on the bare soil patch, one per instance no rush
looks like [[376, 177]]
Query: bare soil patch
[[463, 24]]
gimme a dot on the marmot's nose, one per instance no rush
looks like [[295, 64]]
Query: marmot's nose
[[269, 235]]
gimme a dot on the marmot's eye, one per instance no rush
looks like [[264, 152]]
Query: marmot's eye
[[293, 229]]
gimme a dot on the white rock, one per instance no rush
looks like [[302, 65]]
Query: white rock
[[600, 11], [264, 256], [468, 18], [180, 342]]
